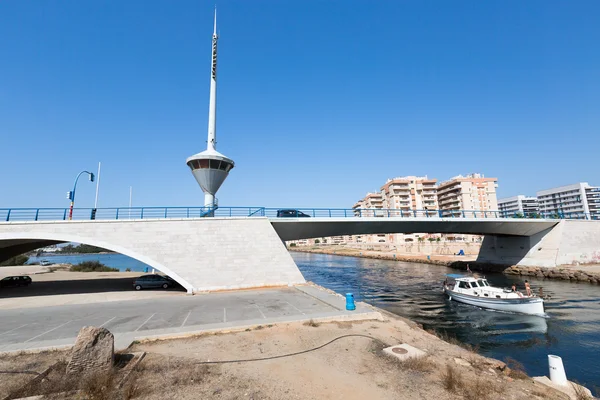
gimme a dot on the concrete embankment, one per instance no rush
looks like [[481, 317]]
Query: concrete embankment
[[588, 273]]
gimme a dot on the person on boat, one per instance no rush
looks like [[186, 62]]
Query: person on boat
[[527, 288], [514, 287], [469, 269]]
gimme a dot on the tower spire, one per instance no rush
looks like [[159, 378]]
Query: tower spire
[[215, 30], [212, 109], [210, 168]]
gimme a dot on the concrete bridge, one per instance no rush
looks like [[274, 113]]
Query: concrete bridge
[[205, 254]]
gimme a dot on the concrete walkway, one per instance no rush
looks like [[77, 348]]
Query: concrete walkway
[[57, 326]]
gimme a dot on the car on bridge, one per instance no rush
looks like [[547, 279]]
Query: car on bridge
[[291, 214], [15, 281], [154, 282]]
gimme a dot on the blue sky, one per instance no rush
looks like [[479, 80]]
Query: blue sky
[[318, 101]]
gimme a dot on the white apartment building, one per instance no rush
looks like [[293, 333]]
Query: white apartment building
[[519, 204], [462, 195], [579, 200]]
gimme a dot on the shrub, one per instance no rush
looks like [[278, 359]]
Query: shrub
[[451, 379], [311, 323], [92, 266], [517, 370], [17, 260], [292, 244], [420, 364], [127, 269]]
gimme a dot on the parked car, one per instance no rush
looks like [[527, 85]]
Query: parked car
[[14, 281], [45, 263], [291, 214], [153, 282]]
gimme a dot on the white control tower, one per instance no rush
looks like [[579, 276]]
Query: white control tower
[[210, 168]]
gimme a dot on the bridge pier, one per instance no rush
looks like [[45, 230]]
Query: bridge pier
[[570, 242]]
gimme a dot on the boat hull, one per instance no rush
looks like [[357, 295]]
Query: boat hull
[[525, 305]]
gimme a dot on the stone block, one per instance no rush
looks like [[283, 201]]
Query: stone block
[[94, 351]]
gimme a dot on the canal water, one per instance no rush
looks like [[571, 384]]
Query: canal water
[[414, 291]]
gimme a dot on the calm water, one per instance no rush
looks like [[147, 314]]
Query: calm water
[[111, 260], [572, 329]]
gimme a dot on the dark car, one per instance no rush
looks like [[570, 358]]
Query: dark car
[[153, 282], [291, 214], [13, 281]]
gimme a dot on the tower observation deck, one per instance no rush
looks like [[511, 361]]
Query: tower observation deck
[[210, 168]]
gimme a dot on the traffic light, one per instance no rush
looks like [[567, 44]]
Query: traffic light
[[93, 213], [70, 195], [92, 177]]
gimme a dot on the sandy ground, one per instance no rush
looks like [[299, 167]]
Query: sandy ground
[[64, 287], [349, 368]]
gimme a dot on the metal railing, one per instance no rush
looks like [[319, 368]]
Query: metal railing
[[136, 213]]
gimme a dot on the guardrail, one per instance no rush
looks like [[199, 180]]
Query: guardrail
[[136, 213]]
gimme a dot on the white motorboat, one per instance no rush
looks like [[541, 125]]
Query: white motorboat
[[478, 292]]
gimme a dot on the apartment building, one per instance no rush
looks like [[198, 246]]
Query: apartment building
[[519, 204], [372, 201], [408, 194], [473, 192], [579, 200]]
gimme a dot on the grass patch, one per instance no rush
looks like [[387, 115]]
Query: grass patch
[[311, 323], [481, 389], [516, 369], [419, 364], [452, 379], [477, 389], [92, 266]]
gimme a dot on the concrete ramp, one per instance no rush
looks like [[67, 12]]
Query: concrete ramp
[[203, 254]]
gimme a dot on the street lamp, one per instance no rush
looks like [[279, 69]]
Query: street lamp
[[71, 195]]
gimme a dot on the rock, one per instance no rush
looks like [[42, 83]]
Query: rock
[[462, 362], [94, 350], [497, 364]]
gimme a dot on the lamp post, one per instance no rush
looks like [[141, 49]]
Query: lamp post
[[71, 195]]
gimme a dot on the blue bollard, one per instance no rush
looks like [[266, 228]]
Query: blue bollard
[[350, 302]]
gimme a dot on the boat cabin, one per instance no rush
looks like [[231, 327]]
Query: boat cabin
[[479, 287], [471, 283]]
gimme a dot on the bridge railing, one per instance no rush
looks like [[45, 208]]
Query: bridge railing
[[135, 213], [124, 213]]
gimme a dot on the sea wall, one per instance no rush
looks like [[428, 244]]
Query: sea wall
[[460, 263]]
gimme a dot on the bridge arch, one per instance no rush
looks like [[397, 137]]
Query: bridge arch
[[12, 244]]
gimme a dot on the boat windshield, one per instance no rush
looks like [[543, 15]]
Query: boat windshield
[[482, 282]]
